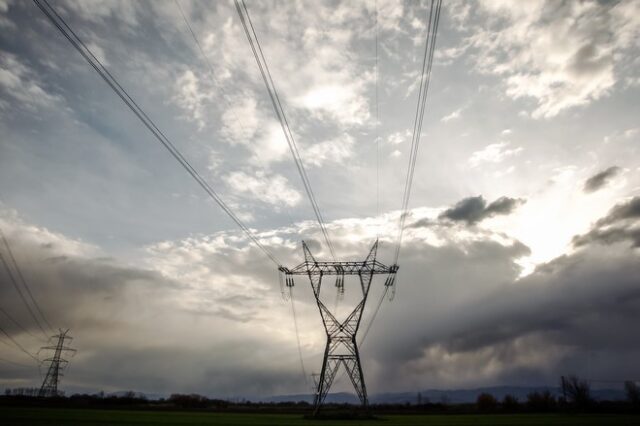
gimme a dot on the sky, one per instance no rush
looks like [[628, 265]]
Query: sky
[[520, 257]]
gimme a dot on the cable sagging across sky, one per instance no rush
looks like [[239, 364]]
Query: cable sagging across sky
[[427, 62], [252, 37], [20, 276], [95, 63]]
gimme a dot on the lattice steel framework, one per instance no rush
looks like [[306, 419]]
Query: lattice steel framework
[[341, 347], [57, 363]]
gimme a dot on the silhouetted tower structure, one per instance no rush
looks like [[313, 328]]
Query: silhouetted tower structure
[[57, 364], [341, 347]]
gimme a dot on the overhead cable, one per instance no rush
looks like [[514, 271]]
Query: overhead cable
[[432, 29], [295, 324], [18, 345], [252, 37], [15, 363], [22, 280], [13, 280], [17, 324], [211, 73], [95, 63], [427, 62]]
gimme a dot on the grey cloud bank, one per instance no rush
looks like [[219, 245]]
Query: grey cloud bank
[[476, 209], [534, 277], [599, 180], [462, 316]]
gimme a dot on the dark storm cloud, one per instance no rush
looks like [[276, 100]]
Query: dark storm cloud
[[536, 328], [132, 325], [599, 180], [622, 223], [475, 209], [623, 211], [70, 287]]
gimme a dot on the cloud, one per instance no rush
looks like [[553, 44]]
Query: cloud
[[20, 82], [248, 125], [149, 318], [4, 5], [521, 45], [454, 115], [343, 103], [475, 209], [461, 317], [100, 12], [398, 138], [493, 153], [274, 189], [192, 96], [320, 81], [569, 316], [599, 180], [621, 224], [331, 151]]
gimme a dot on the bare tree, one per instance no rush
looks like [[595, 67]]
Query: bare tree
[[576, 390], [633, 392]]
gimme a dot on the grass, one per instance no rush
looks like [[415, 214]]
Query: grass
[[71, 417]]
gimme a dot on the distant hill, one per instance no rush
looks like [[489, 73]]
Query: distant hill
[[456, 396]]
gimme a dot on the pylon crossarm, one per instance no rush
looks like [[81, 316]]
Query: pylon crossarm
[[53, 348], [340, 268]]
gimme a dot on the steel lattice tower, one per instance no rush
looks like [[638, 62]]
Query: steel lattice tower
[[341, 347], [57, 363]]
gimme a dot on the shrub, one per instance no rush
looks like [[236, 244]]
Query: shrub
[[189, 401], [486, 402], [541, 401], [510, 402]]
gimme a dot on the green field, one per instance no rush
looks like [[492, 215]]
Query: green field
[[54, 417]]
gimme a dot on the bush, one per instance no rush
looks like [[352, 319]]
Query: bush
[[510, 403], [486, 402], [189, 401], [541, 401]]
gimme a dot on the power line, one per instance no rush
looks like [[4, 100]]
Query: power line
[[377, 125], [18, 345], [415, 141], [20, 326], [207, 62], [23, 281], [15, 363], [95, 63], [252, 37], [375, 313], [427, 62], [17, 287], [295, 323]]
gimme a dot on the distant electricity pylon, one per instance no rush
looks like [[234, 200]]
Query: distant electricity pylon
[[341, 345], [57, 364]]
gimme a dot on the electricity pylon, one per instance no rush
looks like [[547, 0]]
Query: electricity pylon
[[57, 364], [341, 347]]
